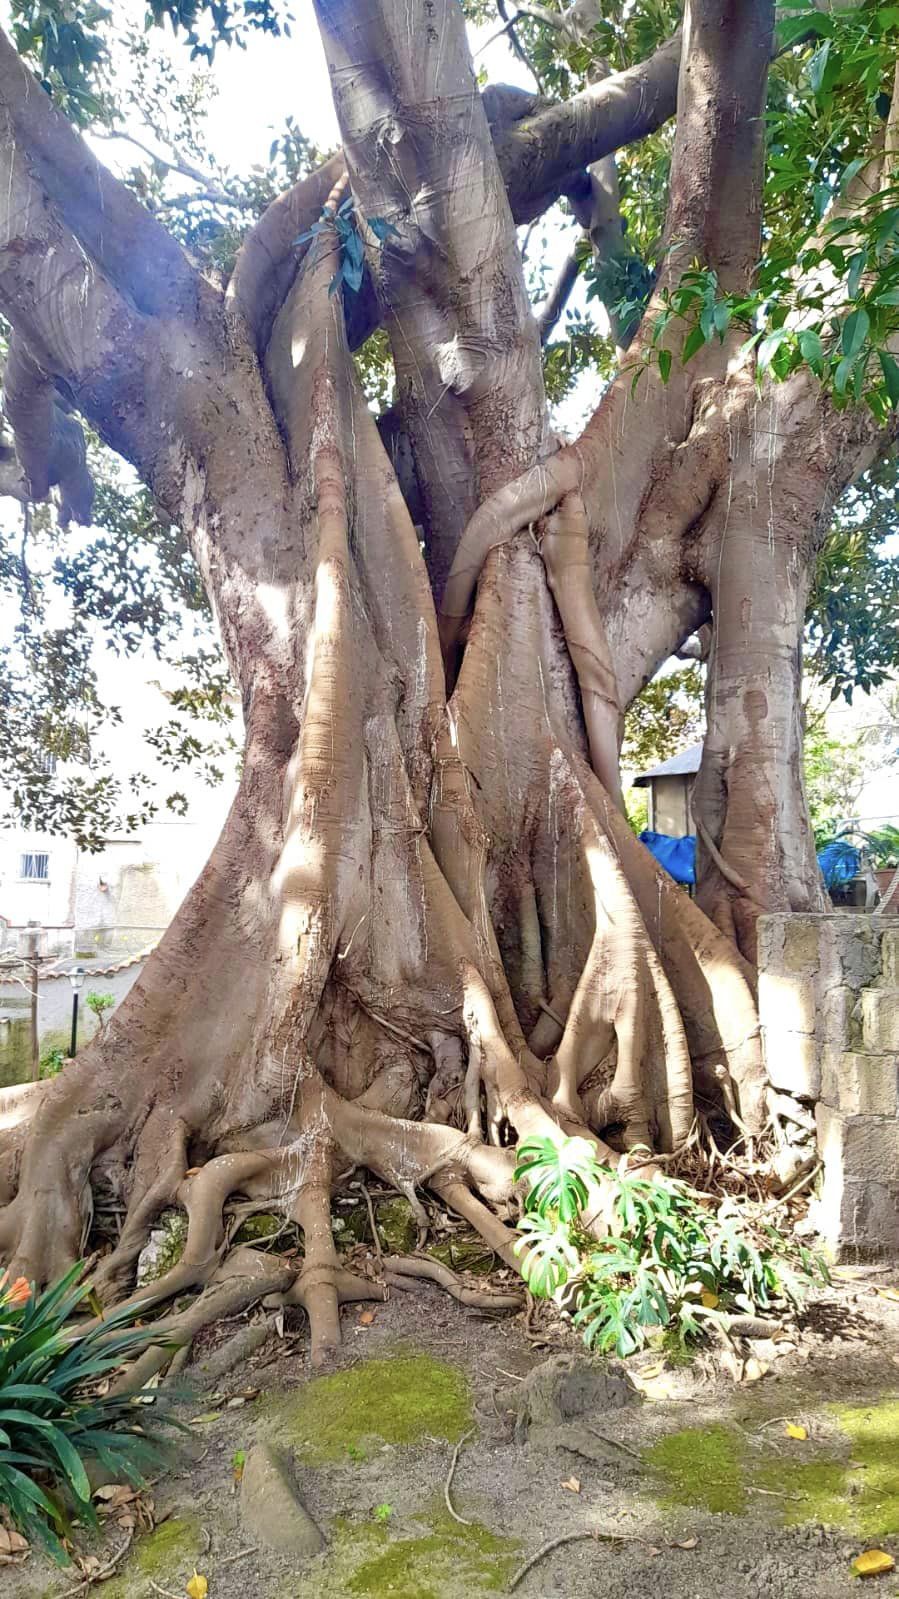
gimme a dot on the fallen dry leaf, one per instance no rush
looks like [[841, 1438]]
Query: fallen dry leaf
[[754, 1369], [208, 1415], [366, 1318], [794, 1430], [572, 1484], [685, 1543], [197, 1587], [648, 1372], [887, 1293], [872, 1563], [710, 1300], [11, 1542]]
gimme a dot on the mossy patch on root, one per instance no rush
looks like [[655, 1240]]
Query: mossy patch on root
[[442, 1560], [848, 1480], [395, 1401]]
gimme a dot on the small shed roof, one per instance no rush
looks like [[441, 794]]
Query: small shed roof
[[686, 764]]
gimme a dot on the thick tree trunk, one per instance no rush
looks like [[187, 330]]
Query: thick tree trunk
[[427, 931]]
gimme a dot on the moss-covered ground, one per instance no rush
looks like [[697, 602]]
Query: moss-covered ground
[[432, 1558], [392, 1401], [846, 1477]]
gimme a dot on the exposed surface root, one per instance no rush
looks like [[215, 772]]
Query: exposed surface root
[[399, 1268]]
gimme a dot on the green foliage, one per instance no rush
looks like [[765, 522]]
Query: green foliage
[[99, 1004], [666, 717], [671, 1262], [852, 641], [827, 288], [51, 1417], [883, 844], [344, 223], [834, 774], [52, 1062], [382, 1513], [63, 40], [206, 23]]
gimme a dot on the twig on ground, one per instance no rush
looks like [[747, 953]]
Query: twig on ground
[[371, 1221], [241, 1554], [569, 1537], [615, 1442], [166, 1592], [449, 1480], [103, 1573]]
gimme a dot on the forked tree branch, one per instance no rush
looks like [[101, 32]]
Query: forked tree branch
[[541, 149]]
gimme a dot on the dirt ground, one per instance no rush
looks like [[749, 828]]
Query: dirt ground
[[696, 1487]]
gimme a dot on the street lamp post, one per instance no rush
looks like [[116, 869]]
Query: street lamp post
[[76, 978]]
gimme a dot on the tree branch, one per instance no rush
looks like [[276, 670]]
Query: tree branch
[[76, 338], [140, 257], [49, 444], [210, 190], [267, 261], [538, 156], [552, 309]]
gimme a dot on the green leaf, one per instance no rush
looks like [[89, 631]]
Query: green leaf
[[722, 318], [850, 172], [769, 347], [857, 263], [890, 369], [694, 341], [854, 333], [664, 365], [811, 349], [818, 66]]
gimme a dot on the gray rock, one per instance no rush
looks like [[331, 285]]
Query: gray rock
[[271, 1508]]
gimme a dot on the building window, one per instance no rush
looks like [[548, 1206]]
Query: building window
[[35, 868], [47, 764]]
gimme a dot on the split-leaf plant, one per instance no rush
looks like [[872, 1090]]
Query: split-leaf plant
[[672, 1260]]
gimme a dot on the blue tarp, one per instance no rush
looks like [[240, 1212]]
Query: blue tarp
[[677, 855], [838, 861]]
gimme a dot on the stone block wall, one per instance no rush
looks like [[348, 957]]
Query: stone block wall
[[829, 1009]]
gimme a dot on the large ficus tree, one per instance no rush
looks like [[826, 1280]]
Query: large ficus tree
[[426, 931]]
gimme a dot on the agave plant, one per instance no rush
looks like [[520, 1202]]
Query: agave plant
[[53, 1420]]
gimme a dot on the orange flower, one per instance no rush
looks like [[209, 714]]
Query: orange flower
[[18, 1294]]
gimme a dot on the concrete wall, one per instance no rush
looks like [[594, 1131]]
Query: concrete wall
[[671, 806], [829, 1008]]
